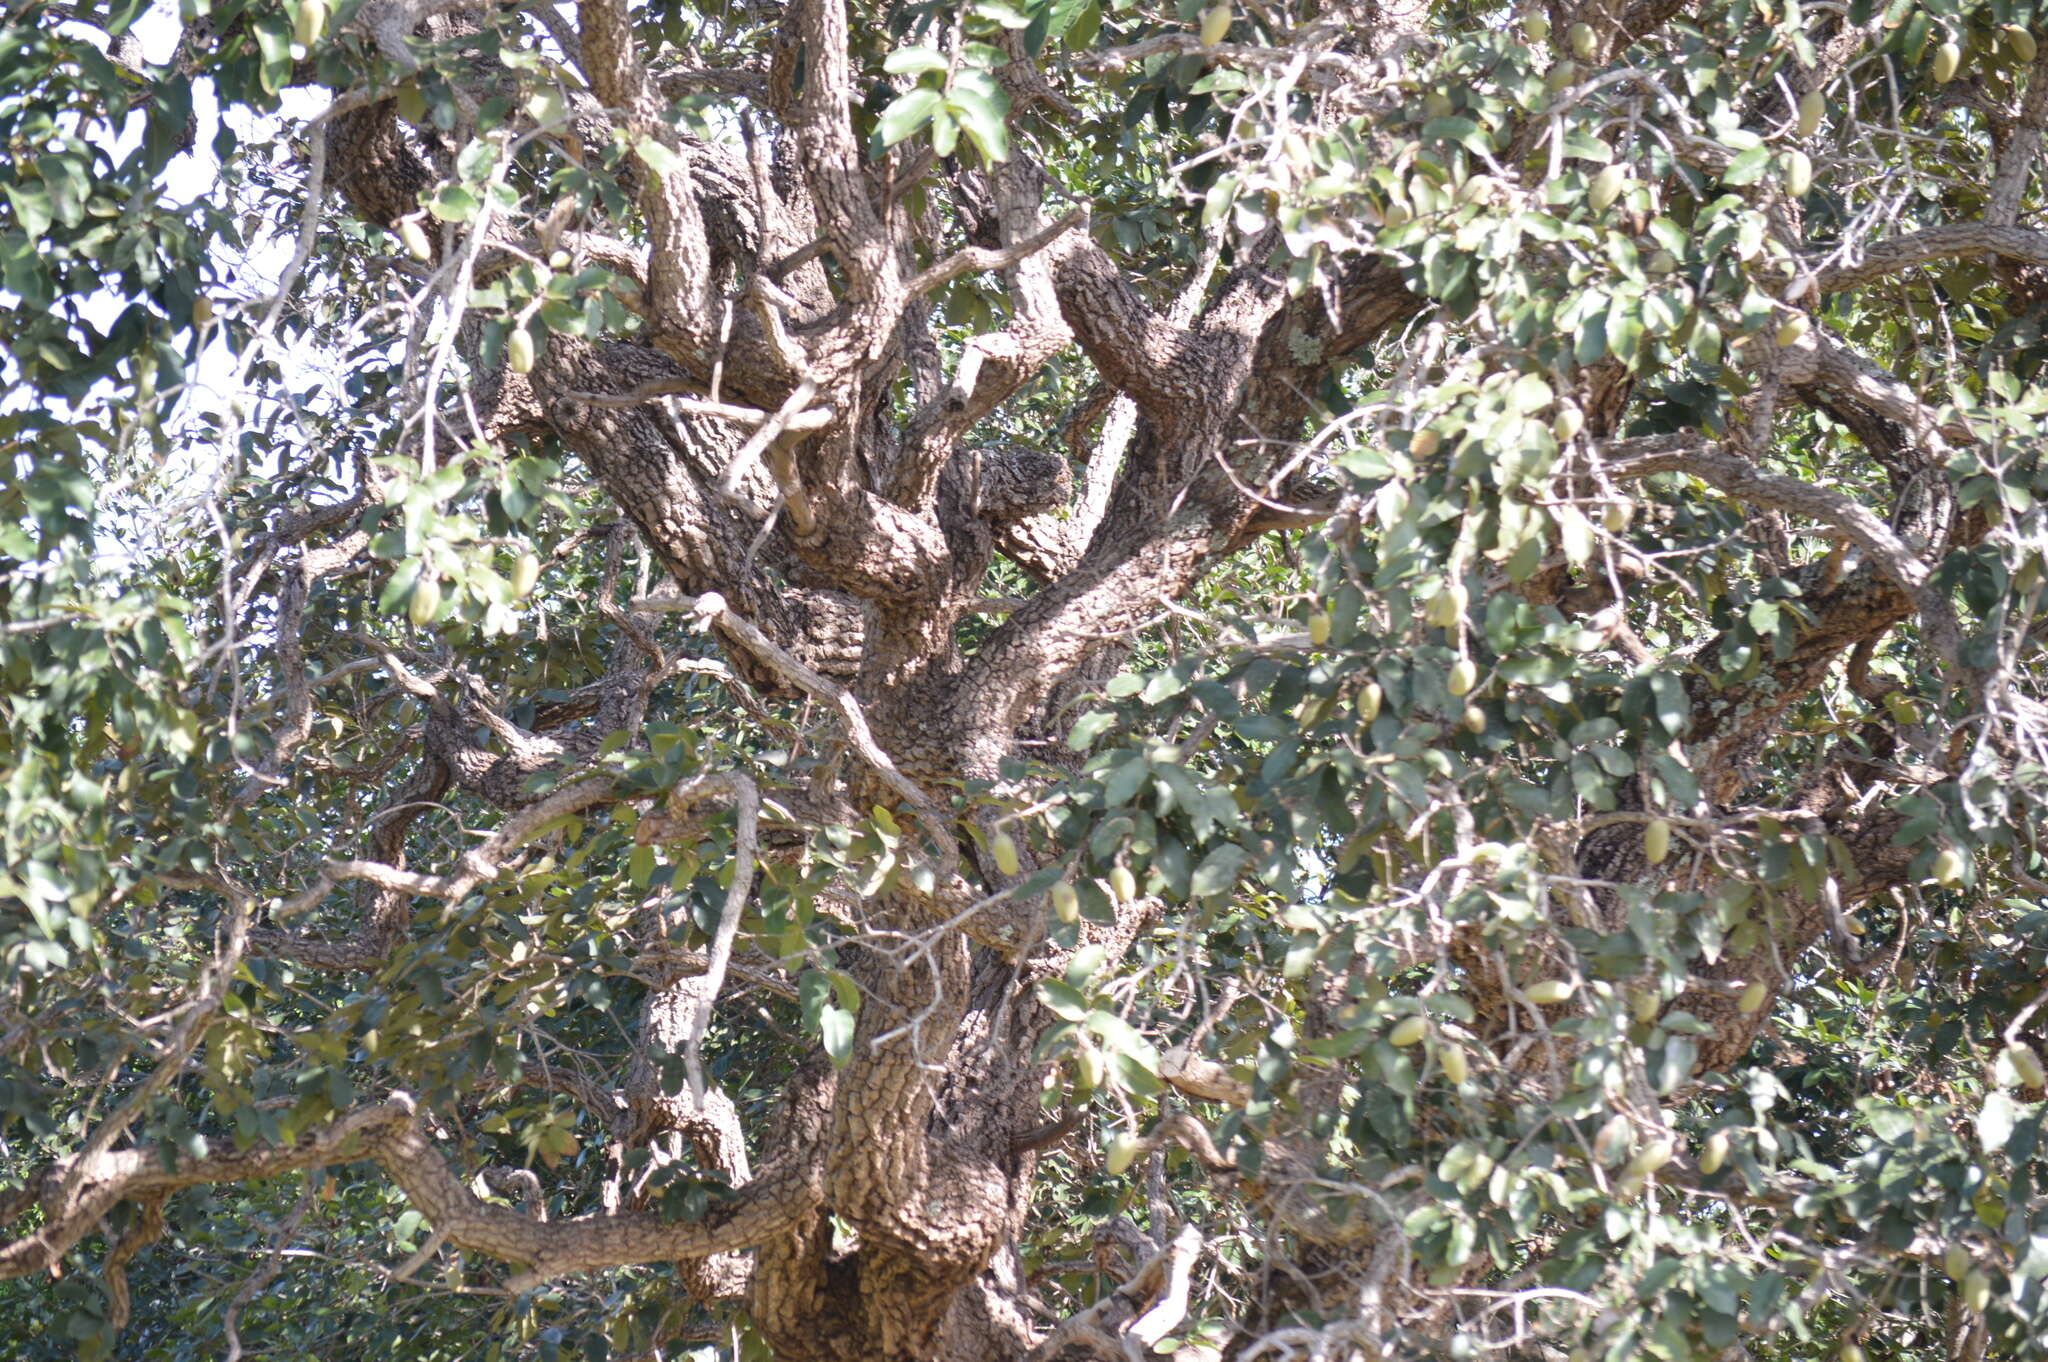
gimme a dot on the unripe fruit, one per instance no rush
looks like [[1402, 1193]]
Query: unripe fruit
[[1066, 904], [525, 573], [1585, 42], [1654, 1156], [1607, 187], [1215, 24], [1851, 1351], [1976, 1290], [416, 244], [1562, 74], [426, 601], [1948, 59], [2026, 1064], [1568, 422], [1811, 107], [1122, 1152], [1535, 27], [2021, 42], [1370, 696], [1457, 1068], [1437, 104], [1955, 1261], [1546, 992], [1798, 174], [1616, 516], [1715, 1153], [202, 309], [412, 105], [1088, 1069], [1446, 607], [1794, 329], [1464, 676], [1408, 1031], [310, 22], [1474, 719], [1643, 1004], [1752, 997], [1123, 885], [1656, 841], [1424, 443], [1319, 628], [1004, 850], [519, 351], [1948, 867]]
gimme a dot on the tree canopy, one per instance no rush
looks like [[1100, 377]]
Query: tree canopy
[[1041, 679]]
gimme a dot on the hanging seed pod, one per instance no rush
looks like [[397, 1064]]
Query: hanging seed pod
[[426, 601], [1811, 107], [310, 22], [525, 573], [1798, 174], [1066, 903], [1948, 868], [1088, 1070], [1654, 1156]]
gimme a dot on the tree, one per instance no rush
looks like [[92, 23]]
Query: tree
[[1034, 680]]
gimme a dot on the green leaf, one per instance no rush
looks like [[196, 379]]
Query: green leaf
[[982, 108], [454, 203], [907, 114], [1218, 871], [1090, 727], [835, 1030], [912, 61]]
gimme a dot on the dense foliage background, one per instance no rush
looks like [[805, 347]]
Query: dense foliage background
[[1041, 679]]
